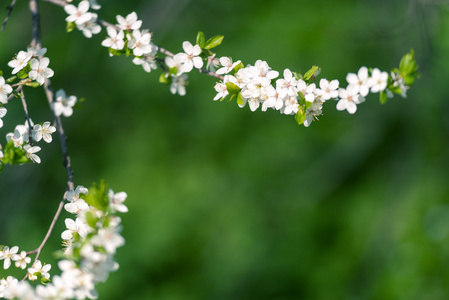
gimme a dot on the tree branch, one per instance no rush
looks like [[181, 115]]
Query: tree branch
[[160, 49], [36, 42], [9, 8]]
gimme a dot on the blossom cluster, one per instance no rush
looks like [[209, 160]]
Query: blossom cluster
[[91, 241], [295, 94]]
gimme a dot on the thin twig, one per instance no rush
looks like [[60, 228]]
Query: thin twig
[[9, 8], [27, 117], [36, 42], [160, 49]]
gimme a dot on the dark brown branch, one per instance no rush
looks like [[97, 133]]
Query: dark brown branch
[[36, 42], [9, 8]]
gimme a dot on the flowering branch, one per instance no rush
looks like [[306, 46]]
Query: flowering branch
[[10, 9]]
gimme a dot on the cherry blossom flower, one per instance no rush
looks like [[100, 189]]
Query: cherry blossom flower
[[360, 81], [19, 62], [288, 83], [39, 70], [63, 104], [16, 137], [34, 52], [30, 153], [130, 23], [90, 27], [190, 58], [78, 15], [21, 260], [108, 238], [77, 226], [5, 90], [115, 39], [349, 99], [221, 90], [398, 81], [43, 132], [327, 89], [148, 61], [116, 201], [139, 42], [378, 81], [3, 112], [227, 64], [38, 268], [178, 84], [6, 254], [290, 105]]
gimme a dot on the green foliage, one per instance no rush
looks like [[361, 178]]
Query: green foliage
[[13, 155], [213, 42], [232, 88], [200, 39], [70, 26], [98, 196], [312, 73], [408, 68]]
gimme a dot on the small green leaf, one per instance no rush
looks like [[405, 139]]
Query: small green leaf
[[240, 99], [1, 73], [232, 88], [91, 219], [213, 42], [164, 78], [98, 196], [22, 74], [11, 79], [300, 116], [34, 84], [383, 97], [200, 39], [70, 26], [238, 67], [173, 71], [312, 73]]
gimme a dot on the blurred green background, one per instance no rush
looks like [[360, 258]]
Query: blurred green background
[[225, 203]]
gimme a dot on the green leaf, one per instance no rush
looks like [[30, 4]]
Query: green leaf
[[91, 219], [200, 39], [240, 99], [300, 116], [238, 67], [383, 97], [116, 52], [173, 71], [22, 74], [70, 26], [11, 79], [78, 104], [1, 73], [232, 88], [312, 73], [34, 84], [213, 42], [98, 196], [164, 78]]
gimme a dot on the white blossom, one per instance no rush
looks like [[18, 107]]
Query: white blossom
[[3, 112], [19, 62], [6, 254], [139, 42], [5, 90], [39, 268], [190, 58], [227, 64], [63, 104], [178, 84], [39, 70], [130, 23], [116, 201], [360, 81], [30, 153], [43, 132], [378, 81], [115, 39], [349, 99], [79, 15], [21, 260]]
